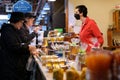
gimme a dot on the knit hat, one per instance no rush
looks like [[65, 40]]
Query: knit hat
[[16, 17], [29, 15]]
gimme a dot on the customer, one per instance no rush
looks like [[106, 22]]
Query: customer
[[25, 34], [14, 53], [90, 35]]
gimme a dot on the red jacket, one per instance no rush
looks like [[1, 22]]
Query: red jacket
[[90, 34]]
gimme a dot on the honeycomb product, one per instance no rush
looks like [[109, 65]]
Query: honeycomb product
[[74, 49], [59, 38], [49, 66], [55, 64], [72, 74], [46, 58], [72, 68], [58, 74], [64, 67], [61, 62], [83, 74]]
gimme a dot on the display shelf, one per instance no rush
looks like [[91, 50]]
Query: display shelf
[[47, 75], [114, 31]]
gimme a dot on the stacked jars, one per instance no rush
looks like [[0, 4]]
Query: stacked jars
[[116, 65], [99, 65]]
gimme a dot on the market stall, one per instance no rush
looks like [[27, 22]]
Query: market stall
[[65, 59]]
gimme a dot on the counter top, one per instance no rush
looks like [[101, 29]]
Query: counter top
[[47, 75]]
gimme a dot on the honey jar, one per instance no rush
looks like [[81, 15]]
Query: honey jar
[[99, 64]]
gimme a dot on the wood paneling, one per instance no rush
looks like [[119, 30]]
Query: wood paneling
[[66, 16]]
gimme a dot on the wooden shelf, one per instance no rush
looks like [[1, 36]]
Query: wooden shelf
[[115, 29]]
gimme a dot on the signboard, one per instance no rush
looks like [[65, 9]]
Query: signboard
[[22, 6], [9, 7]]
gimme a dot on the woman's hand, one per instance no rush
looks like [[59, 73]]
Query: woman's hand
[[36, 53], [36, 29], [33, 50]]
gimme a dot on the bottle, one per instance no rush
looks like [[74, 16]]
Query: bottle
[[58, 74], [99, 65], [116, 65]]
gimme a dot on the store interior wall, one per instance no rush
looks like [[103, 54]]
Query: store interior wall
[[99, 10]]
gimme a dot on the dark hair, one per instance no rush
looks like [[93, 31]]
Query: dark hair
[[16, 17], [29, 15], [82, 9]]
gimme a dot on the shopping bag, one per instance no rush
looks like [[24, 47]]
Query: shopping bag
[[30, 63]]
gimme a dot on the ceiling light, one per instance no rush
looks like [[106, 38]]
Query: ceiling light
[[46, 6], [4, 17], [43, 12], [51, 0]]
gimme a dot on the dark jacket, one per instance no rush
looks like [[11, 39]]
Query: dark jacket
[[25, 35], [13, 55]]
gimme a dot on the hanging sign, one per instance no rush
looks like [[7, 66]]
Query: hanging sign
[[22, 6]]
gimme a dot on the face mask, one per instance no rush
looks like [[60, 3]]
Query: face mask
[[77, 16]]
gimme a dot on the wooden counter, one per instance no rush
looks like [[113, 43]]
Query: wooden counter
[[47, 75]]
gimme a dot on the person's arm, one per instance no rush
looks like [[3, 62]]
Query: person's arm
[[33, 34], [25, 36], [12, 42], [97, 33], [30, 36]]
